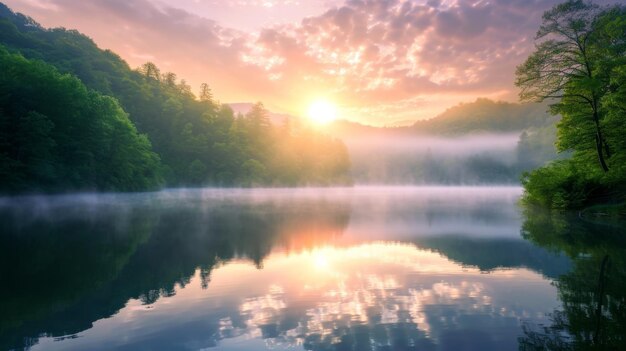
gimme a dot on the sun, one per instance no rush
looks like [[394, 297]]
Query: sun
[[322, 112]]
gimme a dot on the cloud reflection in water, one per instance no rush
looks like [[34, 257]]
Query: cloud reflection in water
[[372, 296]]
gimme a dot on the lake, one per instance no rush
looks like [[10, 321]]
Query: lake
[[363, 268]]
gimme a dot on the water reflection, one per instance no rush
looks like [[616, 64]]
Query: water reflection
[[593, 293], [358, 269], [382, 295], [72, 260]]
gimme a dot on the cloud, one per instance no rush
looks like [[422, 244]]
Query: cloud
[[368, 55], [372, 53]]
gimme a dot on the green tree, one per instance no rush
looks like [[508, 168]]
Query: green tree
[[169, 79], [150, 70], [69, 138], [579, 62], [205, 93], [569, 65]]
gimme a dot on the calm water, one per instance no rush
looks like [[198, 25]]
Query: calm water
[[365, 268]]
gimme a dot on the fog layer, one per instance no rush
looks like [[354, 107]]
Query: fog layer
[[423, 159]]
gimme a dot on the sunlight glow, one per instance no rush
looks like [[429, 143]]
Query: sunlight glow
[[322, 112], [320, 259]]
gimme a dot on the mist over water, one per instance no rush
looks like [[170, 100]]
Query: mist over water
[[390, 212], [253, 269]]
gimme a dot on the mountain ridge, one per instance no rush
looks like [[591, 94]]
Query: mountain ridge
[[480, 116]]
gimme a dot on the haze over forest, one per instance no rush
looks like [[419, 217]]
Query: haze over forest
[[481, 142]]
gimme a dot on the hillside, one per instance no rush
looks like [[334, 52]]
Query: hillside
[[198, 140], [484, 115], [56, 134], [480, 117]]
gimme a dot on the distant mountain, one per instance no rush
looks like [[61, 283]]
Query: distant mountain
[[478, 117], [484, 115], [481, 116]]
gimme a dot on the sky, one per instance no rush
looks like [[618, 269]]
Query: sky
[[381, 62]]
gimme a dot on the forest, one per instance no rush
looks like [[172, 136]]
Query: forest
[[78, 118]]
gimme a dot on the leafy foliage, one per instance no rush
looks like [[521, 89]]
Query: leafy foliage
[[56, 134], [580, 61], [560, 185]]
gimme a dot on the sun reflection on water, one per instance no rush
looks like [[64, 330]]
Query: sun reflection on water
[[370, 296], [372, 288]]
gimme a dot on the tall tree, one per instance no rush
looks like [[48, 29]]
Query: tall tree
[[150, 70], [569, 65], [205, 93]]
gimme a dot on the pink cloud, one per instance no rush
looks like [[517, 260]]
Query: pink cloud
[[382, 60]]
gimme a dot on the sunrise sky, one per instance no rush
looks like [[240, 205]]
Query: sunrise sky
[[382, 62]]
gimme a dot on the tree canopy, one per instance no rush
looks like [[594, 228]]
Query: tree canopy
[[578, 65], [56, 134]]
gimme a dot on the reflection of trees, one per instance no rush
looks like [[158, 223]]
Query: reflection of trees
[[593, 293], [44, 268], [66, 270], [489, 253]]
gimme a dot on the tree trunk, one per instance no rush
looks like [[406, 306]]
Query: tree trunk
[[599, 149], [600, 142], [606, 148]]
